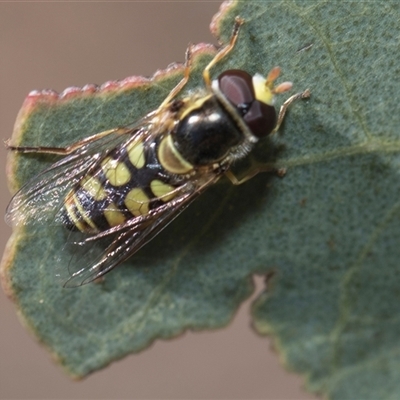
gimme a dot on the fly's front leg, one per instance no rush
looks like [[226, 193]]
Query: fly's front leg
[[303, 95], [62, 151], [206, 73], [224, 51]]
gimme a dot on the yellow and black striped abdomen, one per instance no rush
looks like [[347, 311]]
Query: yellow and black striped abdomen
[[128, 182]]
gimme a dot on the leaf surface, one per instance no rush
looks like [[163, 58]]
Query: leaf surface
[[329, 230]]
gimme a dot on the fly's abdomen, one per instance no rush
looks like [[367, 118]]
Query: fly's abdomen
[[129, 182]]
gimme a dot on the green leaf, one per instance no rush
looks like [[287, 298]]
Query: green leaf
[[329, 230]]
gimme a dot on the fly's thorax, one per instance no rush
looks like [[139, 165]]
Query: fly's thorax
[[206, 133]]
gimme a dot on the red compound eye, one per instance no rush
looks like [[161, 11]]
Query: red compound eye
[[237, 87]]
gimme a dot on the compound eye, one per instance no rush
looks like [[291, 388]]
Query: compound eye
[[237, 86], [261, 118]]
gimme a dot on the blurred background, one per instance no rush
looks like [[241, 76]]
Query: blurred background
[[57, 45]]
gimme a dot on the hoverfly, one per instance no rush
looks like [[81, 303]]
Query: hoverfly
[[124, 185]]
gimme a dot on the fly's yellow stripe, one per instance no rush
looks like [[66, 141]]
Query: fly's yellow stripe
[[116, 171], [170, 158], [162, 190], [94, 187], [113, 216], [136, 154], [137, 202]]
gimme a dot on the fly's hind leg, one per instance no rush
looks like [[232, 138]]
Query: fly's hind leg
[[62, 151]]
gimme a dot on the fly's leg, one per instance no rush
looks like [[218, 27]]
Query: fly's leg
[[235, 181], [280, 172], [224, 51], [253, 172], [206, 73], [302, 95], [183, 81], [62, 151]]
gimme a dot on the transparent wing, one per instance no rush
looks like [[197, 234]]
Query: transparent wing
[[41, 198], [96, 255]]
